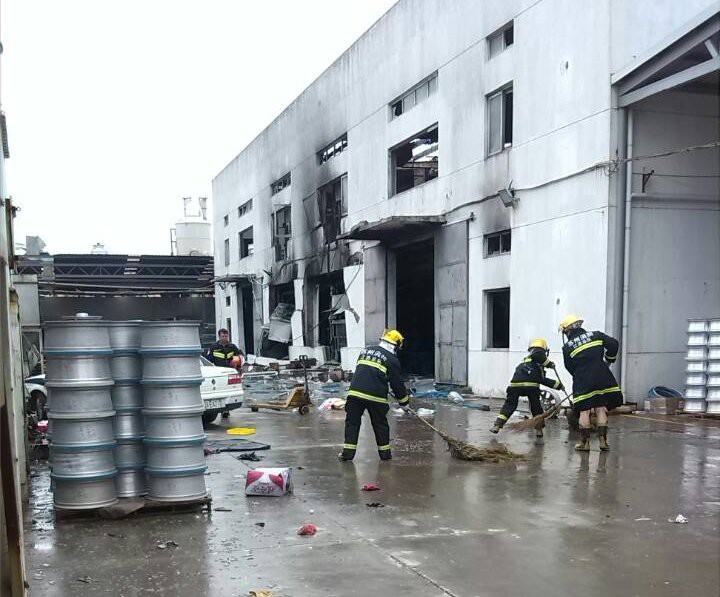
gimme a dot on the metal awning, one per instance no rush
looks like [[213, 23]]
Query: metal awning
[[231, 278], [393, 226]]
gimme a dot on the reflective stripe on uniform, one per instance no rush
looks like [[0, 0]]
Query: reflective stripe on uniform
[[218, 355], [364, 396], [609, 358], [503, 417], [579, 349], [381, 448], [582, 397], [379, 366], [404, 400], [349, 446], [557, 384], [524, 384]]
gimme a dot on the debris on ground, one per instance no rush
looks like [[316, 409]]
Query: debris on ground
[[249, 456], [269, 481], [166, 544], [332, 404], [235, 444], [375, 505], [116, 535], [260, 524], [308, 529], [261, 593], [241, 431], [222, 509], [86, 579], [425, 412], [371, 487], [679, 519]]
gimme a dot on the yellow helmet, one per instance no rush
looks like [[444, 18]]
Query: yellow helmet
[[538, 343], [394, 337], [571, 321]]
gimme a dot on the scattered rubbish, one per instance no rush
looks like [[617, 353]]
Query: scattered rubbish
[[116, 535], [249, 456], [208, 473], [261, 593], [308, 530], [332, 404], [300, 468], [456, 397], [209, 451], [497, 530], [241, 431], [235, 444], [371, 487], [398, 411], [260, 524], [269, 481], [222, 509], [642, 519], [375, 505], [311, 511], [166, 544], [85, 579], [425, 412], [679, 519]]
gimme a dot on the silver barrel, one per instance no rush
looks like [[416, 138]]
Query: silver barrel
[[170, 337], [124, 336], [127, 395], [82, 461], [175, 455], [129, 453], [80, 401], [126, 368], [75, 336], [178, 369], [131, 482], [76, 431], [174, 426], [177, 485], [80, 493], [79, 371], [128, 423], [160, 398]]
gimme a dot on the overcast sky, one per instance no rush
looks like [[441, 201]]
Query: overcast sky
[[117, 109]]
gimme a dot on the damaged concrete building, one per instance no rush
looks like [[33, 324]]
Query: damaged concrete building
[[471, 172]]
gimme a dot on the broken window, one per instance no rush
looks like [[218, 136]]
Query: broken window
[[501, 39], [226, 220], [282, 231], [335, 148], [497, 308], [227, 251], [227, 301], [416, 95], [497, 243], [332, 304], [280, 184], [415, 161], [499, 120], [245, 239], [332, 206], [245, 208]]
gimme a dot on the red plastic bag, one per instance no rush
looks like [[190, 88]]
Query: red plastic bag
[[370, 487], [308, 529]]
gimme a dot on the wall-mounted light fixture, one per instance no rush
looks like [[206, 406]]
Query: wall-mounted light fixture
[[507, 196]]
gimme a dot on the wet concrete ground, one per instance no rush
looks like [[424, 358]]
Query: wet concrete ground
[[560, 523]]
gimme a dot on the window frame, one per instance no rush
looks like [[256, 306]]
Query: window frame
[[500, 34], [430, 83], [281, 184], [488, 303], [286, 237], [500, 235], [226, 248], [245, 208], [226, 220], [241, 245], [392, 159], [338, 146], [502, 93]]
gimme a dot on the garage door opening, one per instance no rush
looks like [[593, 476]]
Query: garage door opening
[[415, 300]]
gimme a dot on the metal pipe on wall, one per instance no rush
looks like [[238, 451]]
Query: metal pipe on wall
[[626, 252]]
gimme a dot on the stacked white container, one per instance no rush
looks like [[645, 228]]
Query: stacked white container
[[172, 408], [126, 366], [713, 367], [696, 368]]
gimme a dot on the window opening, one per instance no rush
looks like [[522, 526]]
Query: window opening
[[332, 206], [280, 184], [333, 149], [497, 243], [245, 239], [498, 318], [282, 231], [416, 161], [414, 96], [500, 120]]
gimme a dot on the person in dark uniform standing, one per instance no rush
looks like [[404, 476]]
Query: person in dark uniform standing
[[526, 381], [587, 356], [377, 368], [224, 353]]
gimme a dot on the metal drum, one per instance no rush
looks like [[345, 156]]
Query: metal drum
[[174, 426], [129, 453], [127, 395], [79, 371], [160, 399], [82, 334], [177, 369], [170, 337], [131, 482], [128, 423], [176, 486], [82, 461], [175, 455], [126, 368], [79, 401], [124, 336], [76, 431], [80, 493]]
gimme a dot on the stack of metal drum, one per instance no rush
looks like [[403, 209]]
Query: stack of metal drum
[[126, 367], [81, 413], [702, 373], [173, 407]]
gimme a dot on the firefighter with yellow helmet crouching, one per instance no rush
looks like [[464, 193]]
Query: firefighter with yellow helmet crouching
[[587, 356], [377, 368], [526, 381]]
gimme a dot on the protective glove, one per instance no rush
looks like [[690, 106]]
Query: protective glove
[[561, 387], [550, 365]]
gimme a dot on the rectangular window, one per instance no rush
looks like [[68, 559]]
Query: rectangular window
[[415, 161], [280, 184], [332, 206], [501, 39], [227, 301], [245, 208], [282, 231], [497, 322], [335, 148], [497, 243], [227, 251], [245, 240], [499, 120], [226, 220], [413, 97]]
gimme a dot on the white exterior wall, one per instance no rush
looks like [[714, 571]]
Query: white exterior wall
[[560, 66]]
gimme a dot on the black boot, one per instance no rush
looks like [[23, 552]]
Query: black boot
[[498, 425], [602, 433]]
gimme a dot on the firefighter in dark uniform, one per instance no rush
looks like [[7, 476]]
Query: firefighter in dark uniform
[[526, 381], [377, 367], [587, 356], [224, 353]]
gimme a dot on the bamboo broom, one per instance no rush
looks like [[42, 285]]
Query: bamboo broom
[[533, 422]]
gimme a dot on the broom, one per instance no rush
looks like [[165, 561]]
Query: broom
[[464, 451], [533, 422]]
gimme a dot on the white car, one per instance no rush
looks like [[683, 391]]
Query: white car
[[221, 391]]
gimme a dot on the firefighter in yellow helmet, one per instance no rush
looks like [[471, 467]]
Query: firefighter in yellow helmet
[[377, 368], [526, 381], [587, 356]]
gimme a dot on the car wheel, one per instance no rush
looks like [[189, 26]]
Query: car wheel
[[208, 418]]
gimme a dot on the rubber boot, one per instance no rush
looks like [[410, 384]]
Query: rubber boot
[[497, 426], [584, 445], [539, 429], [602, 433]]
